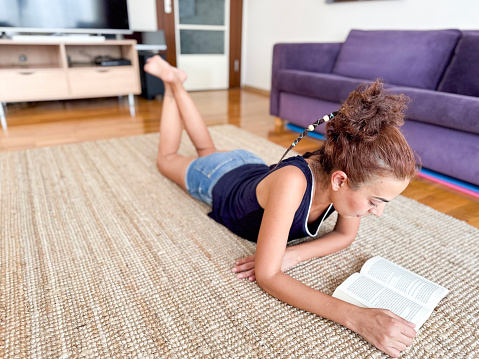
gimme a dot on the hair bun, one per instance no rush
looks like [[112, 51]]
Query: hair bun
[[367, 111], [364, 139]]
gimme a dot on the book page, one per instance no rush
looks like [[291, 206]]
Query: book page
[[403, 281], [338, 293], [374, 295]]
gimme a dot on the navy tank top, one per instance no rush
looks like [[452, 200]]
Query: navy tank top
[[235, 204]]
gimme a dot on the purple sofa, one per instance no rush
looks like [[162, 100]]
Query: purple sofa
[[437, 69]]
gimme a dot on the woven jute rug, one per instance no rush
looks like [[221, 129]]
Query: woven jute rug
[[103, 257]]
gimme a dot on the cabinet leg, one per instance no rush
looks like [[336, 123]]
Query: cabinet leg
[[131, 103], [3, 120]]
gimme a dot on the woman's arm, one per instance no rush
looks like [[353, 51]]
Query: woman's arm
[[381, 328], [341, 237]]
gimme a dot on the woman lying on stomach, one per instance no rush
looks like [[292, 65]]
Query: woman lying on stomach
[[364, 163]]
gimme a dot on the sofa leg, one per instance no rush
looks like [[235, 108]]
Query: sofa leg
[[278, 124]]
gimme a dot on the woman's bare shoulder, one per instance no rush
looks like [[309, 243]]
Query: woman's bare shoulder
[[288, 181]]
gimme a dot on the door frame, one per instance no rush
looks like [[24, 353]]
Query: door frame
[[166, 22], [236, 22]]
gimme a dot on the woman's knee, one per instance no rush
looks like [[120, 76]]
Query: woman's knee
[[162, 163], [159, 165]]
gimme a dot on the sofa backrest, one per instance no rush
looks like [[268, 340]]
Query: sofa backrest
[[462, 75], [409, 58]]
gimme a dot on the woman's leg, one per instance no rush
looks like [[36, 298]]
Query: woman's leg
[[169, 162], [194, 123]]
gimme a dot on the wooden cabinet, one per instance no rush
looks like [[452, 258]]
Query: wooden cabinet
[[59, 71]]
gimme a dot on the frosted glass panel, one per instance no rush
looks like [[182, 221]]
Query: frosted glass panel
[[202, 42], [202, 12]]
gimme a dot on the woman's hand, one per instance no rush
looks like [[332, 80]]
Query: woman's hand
[[245, 266], [384, 329]]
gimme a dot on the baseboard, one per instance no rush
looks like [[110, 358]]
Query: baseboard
[[298, 129], [450, 182], [256, 90]]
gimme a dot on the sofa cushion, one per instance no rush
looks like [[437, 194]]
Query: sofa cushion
[[328, 87], [441, 108], [313, 57], [409, 58], [462, 75]]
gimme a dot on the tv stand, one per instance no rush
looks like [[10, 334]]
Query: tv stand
[[45, 71], [58, 38]]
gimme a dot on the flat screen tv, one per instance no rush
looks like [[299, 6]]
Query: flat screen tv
[[64, 16]]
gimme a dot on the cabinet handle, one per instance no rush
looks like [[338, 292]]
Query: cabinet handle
[[26, 72], [103, 70]]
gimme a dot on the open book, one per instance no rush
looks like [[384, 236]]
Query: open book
[[383, 284]]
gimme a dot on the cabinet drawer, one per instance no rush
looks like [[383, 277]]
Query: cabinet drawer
[[36, 85], [104, 81]]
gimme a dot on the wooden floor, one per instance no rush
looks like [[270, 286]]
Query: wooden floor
[[51, 123]]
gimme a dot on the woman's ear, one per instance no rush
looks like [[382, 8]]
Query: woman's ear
[[338, 180]]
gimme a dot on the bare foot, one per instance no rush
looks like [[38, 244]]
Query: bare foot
[[158, 67], [182, 76]]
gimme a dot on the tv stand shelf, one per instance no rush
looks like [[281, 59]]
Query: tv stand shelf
[[60, 71]]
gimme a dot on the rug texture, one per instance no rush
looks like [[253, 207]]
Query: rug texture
[[103, 257]]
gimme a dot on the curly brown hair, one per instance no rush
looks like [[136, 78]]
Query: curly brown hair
[[364, 139]]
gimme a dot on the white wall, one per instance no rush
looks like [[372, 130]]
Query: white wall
[[266, 22], [142, 15]]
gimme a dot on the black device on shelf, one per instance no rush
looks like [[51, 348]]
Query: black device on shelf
[[150, 85], [109, 61]]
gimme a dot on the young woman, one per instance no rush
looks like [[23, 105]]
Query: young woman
[[364, 163]]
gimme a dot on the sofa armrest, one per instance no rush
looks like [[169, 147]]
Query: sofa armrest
[[312, 57]]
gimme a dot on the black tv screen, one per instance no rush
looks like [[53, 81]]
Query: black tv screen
[[64, 15]]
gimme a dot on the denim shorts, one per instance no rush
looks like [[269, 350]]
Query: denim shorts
[[204, 172]]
